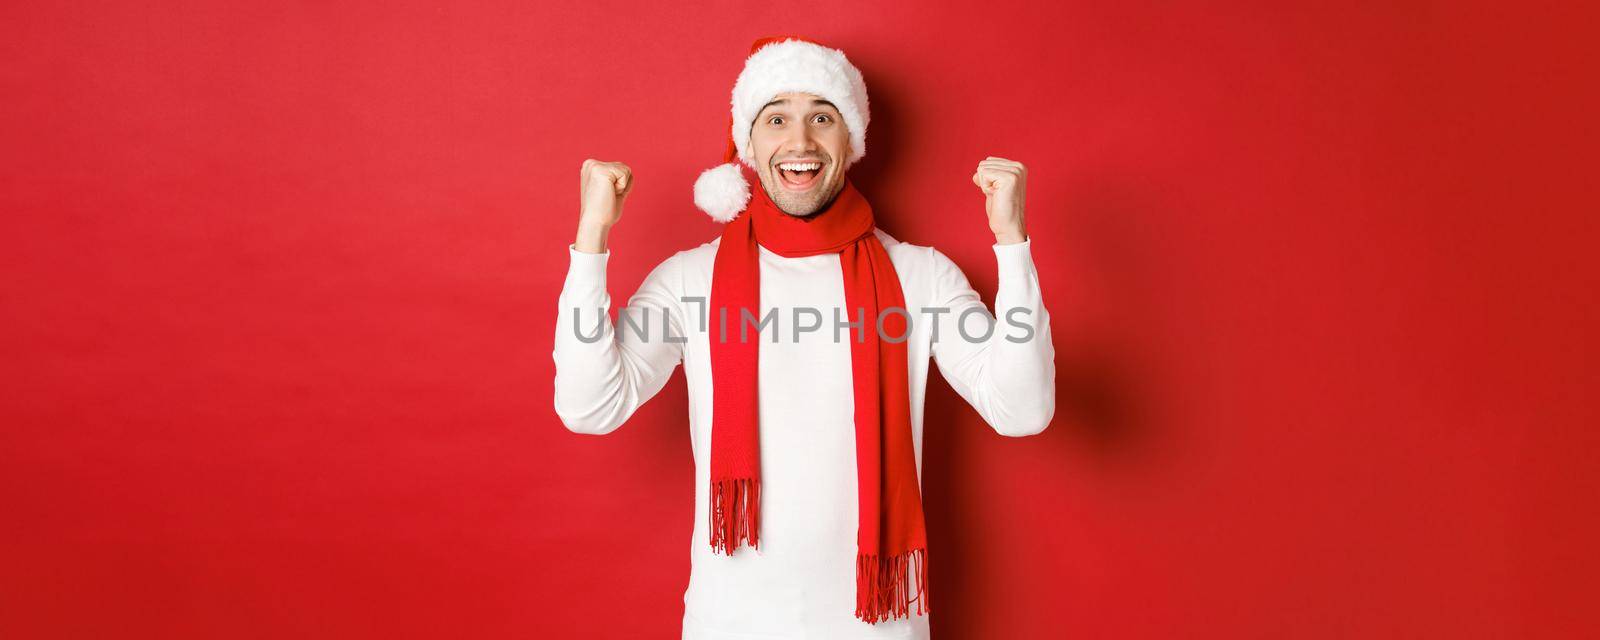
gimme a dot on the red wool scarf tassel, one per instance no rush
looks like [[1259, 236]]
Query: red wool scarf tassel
[[891, 570]]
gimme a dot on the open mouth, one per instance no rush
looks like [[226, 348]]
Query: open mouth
[[799, 176]]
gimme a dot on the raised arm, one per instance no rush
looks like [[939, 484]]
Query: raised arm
[[605, 371], [1003, 363], [603, 375]]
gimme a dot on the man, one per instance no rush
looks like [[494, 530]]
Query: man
[[805, 333]]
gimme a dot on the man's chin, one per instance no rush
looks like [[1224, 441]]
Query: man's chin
[[802, 209], [800, 204]]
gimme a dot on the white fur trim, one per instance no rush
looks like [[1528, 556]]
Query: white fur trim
[[797, 65], [722, 192]]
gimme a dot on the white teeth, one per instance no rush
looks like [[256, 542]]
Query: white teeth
[[801, 166]]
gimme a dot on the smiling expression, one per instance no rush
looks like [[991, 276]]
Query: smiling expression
[[799, 142]]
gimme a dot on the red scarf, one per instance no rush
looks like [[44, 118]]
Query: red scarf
[[890, 539]]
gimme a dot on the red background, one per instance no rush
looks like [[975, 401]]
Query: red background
[[279, 290]]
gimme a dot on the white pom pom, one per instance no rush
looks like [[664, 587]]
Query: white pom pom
[[721, 192]]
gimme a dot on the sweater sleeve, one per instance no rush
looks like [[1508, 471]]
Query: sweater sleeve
[[1003, 364], [602, 374]]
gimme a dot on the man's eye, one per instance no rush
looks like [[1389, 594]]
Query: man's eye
[[825, 117], [775, 120]]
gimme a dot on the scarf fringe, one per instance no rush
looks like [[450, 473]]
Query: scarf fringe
[[735, 514], [881, 585]]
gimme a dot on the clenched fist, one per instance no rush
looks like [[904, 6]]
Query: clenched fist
[[1004, 184], [602, 188]]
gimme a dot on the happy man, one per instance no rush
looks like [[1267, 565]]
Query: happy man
[[808, 449]]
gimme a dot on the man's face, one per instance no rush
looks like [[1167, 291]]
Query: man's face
[[800, 143]]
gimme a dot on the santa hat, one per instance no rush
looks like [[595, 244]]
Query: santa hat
[[780, 64]]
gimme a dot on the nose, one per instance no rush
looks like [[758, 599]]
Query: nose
[[799, 141]]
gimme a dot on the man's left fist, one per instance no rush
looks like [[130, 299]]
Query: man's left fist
[[1004, 184]]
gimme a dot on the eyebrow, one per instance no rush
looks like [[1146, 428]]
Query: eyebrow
[[814, 102]]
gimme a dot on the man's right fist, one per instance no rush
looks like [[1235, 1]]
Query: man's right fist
[[602, 187]]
